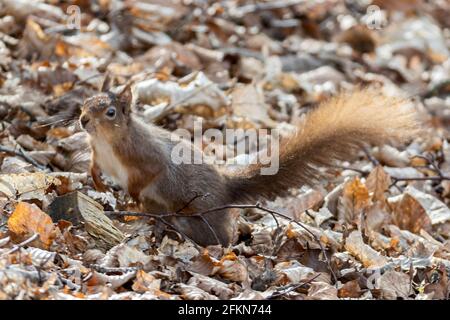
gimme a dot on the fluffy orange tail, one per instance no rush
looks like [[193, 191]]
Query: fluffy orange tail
[[331, 132]]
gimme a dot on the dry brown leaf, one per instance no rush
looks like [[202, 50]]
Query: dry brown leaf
[[441, 288], [292, 272], [129, 257], [306, 201], [408, 214], [322, 291], [360, 38], [41, 258], [184, 251], [193, 293], [212, 286], [230, 267], [367, 255], [437, 211], [145, 282], [203, 264], [250, 294], [248, 101], [376, 217], [26, 220], [195, 90], [99, 280], [290, 249], [350, 289], [394, 284], [75, 243], [355, 198], [27, 186], [377, 183], [392, 157]]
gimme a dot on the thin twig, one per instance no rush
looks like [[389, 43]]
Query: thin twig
[[432, 163], [440, 176], [231, 206], [22, 244], [292, 287], [360, 171], [178, 214], [434, 178], [255, 7], [374, 161], [192, 200], [310, 215], [161, 218], [211, 229], [322, 249], [4, 241], [21, 153], [103, 269]]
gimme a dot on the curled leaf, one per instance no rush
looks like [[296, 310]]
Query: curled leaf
[[366, 254], [26, 220]]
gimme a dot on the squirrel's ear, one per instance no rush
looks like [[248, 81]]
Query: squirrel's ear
[[107, 81], [125, 98]]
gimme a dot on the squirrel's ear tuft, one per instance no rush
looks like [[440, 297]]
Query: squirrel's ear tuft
[[125, 98], [107, 83]]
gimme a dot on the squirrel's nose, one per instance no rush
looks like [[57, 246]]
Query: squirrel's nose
[[84, 120]]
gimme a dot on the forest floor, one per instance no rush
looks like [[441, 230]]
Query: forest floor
[[379, 228]]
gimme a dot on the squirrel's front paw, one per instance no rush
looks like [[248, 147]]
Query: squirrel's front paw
[[100, 186], [98, 183]]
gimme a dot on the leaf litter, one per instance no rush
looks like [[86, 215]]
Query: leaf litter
[[383, 220]]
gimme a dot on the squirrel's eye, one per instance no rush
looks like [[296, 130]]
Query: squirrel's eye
[[111, 112]]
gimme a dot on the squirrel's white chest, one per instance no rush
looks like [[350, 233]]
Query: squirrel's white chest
[[110, 164]]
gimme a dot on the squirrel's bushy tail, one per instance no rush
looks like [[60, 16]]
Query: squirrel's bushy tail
[[333, 131]]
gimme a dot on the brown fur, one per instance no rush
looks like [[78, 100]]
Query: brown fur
[[330, 132]]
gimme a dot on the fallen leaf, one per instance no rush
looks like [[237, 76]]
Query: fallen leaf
[[145, 282], [292, 272], [377, 183], [394, 284], [440, 288], [355, 198], [350, 289], [129, 257], [230, 267], [366, 254], [322, 291], [436, 209], [98, 280], [248, 101], [195, 90], [212, 286], [27, 186], [409, 215], [189, 292], [27, 220]]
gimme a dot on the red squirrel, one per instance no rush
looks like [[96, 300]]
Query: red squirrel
[[137, 156]]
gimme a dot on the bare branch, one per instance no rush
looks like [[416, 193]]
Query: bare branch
[[22, 244], [290, 288], [230, 206], [21, 153]]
